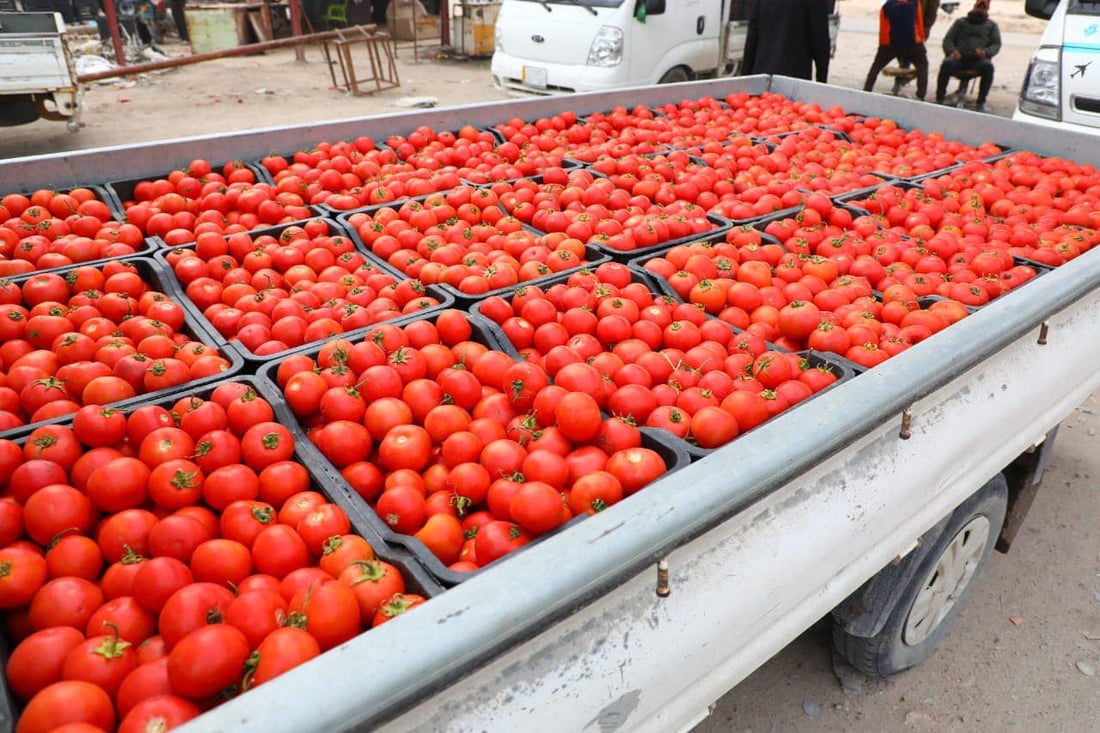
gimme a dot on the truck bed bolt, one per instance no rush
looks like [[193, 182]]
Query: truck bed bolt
[[663, 588], [1043, 333], [906, 421]]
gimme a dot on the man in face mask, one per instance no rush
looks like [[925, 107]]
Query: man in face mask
[[969, 45]]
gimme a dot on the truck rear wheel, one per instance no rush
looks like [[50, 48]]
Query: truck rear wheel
[[941, 575]]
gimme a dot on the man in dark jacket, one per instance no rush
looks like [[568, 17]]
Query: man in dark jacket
[[901, 36], [790, 39], [970, 44]]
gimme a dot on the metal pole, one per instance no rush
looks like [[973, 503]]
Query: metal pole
[[212, 55], [296, 27], [116, 35]]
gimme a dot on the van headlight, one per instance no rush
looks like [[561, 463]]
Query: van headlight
[[607, 47], [498, 38], [1042, 92]]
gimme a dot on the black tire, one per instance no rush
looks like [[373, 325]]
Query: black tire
[[925, 608], [675, 76], [17, 110]]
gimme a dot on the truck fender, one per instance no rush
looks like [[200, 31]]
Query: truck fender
[[865, 612], [898, 618]]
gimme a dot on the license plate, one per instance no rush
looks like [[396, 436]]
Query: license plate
[[535, 76]]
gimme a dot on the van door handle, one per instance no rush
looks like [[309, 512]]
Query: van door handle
[[700, 24]]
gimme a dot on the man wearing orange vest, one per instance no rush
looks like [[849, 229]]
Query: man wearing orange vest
[[901, 36]]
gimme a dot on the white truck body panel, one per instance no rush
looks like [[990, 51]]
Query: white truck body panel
[[543, 48], [34, 60], [762, 538], [1072, 38]]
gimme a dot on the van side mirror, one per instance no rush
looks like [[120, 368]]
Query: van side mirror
[[654, 7], [1040, 8]]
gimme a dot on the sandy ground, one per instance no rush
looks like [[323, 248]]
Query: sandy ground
[[1024, 653]]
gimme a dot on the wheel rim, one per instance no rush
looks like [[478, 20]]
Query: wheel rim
[[947, 581]]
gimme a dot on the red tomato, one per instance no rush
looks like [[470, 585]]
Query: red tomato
[[22, 574], [36, 661], [281, 650], [372, 582], [207, 660], [398, 604], [164, 711], [103, 660], [69, 701], [329, 611]]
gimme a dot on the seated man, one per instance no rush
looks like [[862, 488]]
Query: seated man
[[969, 45]]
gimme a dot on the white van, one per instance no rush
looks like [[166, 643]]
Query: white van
[[561, 46], [1062, 85]]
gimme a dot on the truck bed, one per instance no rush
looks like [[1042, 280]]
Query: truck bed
[[761, 538]]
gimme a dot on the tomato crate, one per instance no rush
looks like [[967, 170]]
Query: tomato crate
[[589, 256], [384, 294], [101, 194], [98, 234], [160, 205], [566, 164], [122, 386], [189, 531], [674, 455], [839, 367], [486, 392]]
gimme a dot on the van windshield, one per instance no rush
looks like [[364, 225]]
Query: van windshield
[[589, 3]]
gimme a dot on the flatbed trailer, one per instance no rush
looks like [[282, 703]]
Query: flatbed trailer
[[37, 77], [640, 617]]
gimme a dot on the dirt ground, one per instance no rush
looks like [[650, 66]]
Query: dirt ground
[[1024, 653], [274, 89]]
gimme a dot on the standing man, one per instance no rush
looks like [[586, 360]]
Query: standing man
[[176, 7], [929, 10], [900, 36], [970, 44], [790, 39]]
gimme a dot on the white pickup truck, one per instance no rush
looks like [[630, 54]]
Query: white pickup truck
[[556, 46], [877, 502], [37, 78]]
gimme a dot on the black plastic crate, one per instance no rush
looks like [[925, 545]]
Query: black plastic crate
[[845, 370], [336, 228], [593, 258], [153, 276], [417, 578], [674, 456]]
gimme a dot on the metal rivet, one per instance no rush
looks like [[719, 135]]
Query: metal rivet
[[1043, 328], [906, 422]]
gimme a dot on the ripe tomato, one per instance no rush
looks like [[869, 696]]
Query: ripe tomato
[[281, 650], [536, 507], [398, 604], [103, 660], [22, 574], [636, 467], [68, 701], [372, 582], [191, 607], [497, 538], [165, 711], [207, 660], [328, 610], [257, 613], [36, 661]]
